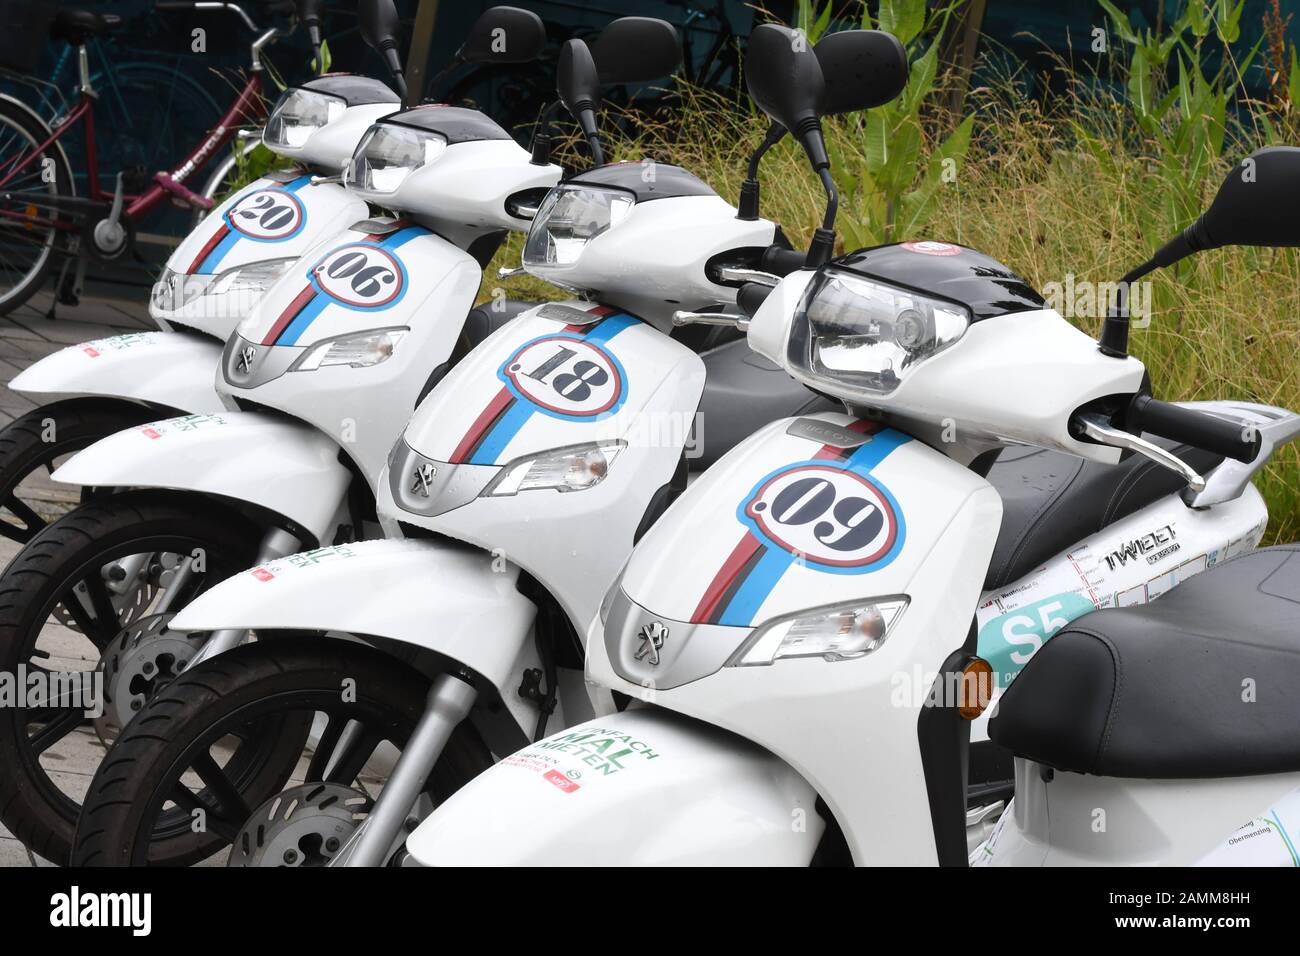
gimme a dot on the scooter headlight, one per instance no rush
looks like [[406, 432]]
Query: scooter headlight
[[570, 217], [860, 334], [298, 114], [575, 468], [388, 154], [175, 290], [356, 351], [841, 632]]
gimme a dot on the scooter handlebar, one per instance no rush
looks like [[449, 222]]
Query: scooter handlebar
[[1198, 429]]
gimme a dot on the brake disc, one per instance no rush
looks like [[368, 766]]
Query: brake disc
[[143, 657], [131, 601], [302, 826]]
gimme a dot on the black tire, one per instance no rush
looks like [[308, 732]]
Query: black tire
[[71, 426], [32, 805], [243, 688], [20, 280]]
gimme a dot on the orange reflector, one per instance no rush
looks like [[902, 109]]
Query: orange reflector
[[975, 689], [31, 211]]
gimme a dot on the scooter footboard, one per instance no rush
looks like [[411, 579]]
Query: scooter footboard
[[645, 787], [160, 368]]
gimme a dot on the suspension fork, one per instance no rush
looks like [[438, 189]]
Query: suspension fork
[[449, 701], [276, 543]]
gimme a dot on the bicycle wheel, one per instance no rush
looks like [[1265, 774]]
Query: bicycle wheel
[[28, 238]]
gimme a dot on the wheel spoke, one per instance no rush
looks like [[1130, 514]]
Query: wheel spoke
[[31, 525], [215, 821], [55, 730], [103, 626], [353, 755], [329, 740], [215, 779]]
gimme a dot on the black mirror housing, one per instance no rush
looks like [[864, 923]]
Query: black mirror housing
[[861, 69], [1258, 203], [636, 50], [504, 35]]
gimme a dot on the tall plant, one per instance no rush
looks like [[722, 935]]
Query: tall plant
[[887, 166]]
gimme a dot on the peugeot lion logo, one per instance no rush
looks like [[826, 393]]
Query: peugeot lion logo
[[422, 478], [652, 638], [246, 356]]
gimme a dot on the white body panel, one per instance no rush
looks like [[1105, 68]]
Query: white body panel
[[229, 455], [642, 786], [840, 722], [573, 542], [1147, 822], [685, 232], [362, 409], [163, 368], [468, 185], [455, 602], [1013, 378], [275, 217]]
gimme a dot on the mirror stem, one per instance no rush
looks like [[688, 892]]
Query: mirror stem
[[822, 247], [541, 144], [747, 207]]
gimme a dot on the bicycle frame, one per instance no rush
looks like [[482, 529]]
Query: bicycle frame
[[247, 107]]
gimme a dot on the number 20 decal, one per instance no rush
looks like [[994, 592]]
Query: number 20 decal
[[565, 376], [269, 215], [829, 516]]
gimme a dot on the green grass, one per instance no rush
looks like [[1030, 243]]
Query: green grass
[[1048, 193]]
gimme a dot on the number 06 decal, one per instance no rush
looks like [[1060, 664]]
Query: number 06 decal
[[565, 376], [830, 516], [360, 276]]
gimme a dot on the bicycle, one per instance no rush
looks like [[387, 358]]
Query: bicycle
[[41, 216]]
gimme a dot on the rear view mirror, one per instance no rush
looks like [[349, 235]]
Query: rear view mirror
[[861, 69], [379, 28], [636, 50], [578, 83], [1259, 202], [504, 35], [309, 16], [784, 77]]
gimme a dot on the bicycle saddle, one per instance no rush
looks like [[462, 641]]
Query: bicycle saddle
[[77, 26]]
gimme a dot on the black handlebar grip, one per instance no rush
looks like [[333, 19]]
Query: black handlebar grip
[[781, 262], [751, 295], [168, 5], [1195, 428]]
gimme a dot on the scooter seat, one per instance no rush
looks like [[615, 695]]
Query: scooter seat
[[1050, 500], [743, 391], [77, 26], [1204, 682]]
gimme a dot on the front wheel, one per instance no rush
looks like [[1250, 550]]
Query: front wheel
[[83, 614], [179, 760], [33, 445]]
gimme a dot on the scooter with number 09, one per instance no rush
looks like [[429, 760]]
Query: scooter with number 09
[[797, 634]]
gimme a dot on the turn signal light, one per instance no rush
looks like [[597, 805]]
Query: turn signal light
[[975, 689]]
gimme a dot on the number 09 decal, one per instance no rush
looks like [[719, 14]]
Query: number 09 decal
[[360, 276], [565, 376], [828, 516], [268, 215]]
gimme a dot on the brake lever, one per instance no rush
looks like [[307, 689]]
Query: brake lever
[[1099, 429], [682, 317]]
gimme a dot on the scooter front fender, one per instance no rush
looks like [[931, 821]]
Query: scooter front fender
[[458, 602], [174, 369], [279, 465], [642, 788]]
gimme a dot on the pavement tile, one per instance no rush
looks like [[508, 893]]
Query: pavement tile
[[13, 853]]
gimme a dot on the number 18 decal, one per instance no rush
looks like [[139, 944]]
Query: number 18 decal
[[829, 516], [565, 376]]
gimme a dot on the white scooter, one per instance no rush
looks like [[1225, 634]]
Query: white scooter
[[473, 472], [211, 281], [520, 486], [326, 367], [797, 633]]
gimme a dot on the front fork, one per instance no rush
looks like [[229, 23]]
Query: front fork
[[449, 702], [276, 543]]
